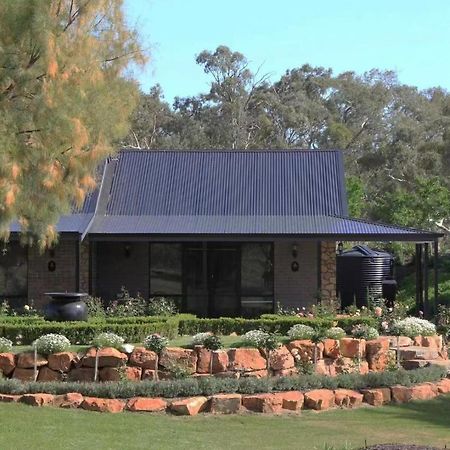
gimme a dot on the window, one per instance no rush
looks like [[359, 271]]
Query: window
[[166, 269], [13, 271]]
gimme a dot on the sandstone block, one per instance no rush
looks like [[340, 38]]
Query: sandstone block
[[304, 349], [121, 373], [220, 361], [81, 374], [189, 406], [62, 361], [225, 403], [281, 359], [331, 348], [174, 356], [377, 396], [103, 404], [23, 374], [245, 360], [203, 359], [146, 359], [47, 374], [424, 391], [401, 394], [265, 403], [377, 354], [5, 398], [7, 363], [346, 398], [37, 399], [69, 400], [26, 360], [107, 357], [351, 347], [443, 386], [291, 400], [326, 366], [140, 404], [319, 399]]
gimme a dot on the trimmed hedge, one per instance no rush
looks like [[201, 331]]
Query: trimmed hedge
[[212, 385], [268, 322]]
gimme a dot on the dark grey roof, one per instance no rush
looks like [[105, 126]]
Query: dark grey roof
[[307, 226], [228, 183], [71, 223]]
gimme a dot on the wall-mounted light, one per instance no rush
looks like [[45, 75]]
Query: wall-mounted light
[[294, 251], [340, 247], [127, 250]]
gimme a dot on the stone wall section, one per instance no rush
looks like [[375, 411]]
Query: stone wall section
[[328, 270]]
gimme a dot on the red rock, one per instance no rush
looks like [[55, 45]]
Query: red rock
[[26, 360], [304, 349], [347, 398], [319, 399], [292, 400], [81, 374], [401, 394], [255, 374], [326, 366], [225, 403], [107, 357], [377, 354], [103, 404], [146, 404], [331, 348], [141, 357], [203, 359], [443, 386], [7, 363], [4, 398], [351, 347], [286, 372], [121, 373], [219, 361], [46, 374], [69, 400], [189, 406], [61, 361], [228, 374], [432, 342], [403, 341], [363, 367], [424, 391], [182, 357], [265, 403], [377, 396], [37, 399], [23, 374], [281, 359], [246, 360]]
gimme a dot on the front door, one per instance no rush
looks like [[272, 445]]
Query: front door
[[223, 280]]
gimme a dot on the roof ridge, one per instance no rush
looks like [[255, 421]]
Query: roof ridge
[[212, 150]]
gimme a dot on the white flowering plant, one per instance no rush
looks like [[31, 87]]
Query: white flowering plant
[[412, 327], [335, 333], [255, 338], [5, 345], [200, 338], [300, 331], [155, 342], [51, 343], [108, 339], [363, 331]]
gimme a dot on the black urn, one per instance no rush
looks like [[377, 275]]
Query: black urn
[[66, 306]]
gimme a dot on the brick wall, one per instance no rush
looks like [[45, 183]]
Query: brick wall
[[84, 266], [296, 289], [328, 270], [63, 278], [113, 269]]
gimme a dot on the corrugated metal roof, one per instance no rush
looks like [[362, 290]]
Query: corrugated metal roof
[[71, 223], [319, 226], [248, 183]]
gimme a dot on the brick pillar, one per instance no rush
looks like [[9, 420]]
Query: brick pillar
[[328, 270]]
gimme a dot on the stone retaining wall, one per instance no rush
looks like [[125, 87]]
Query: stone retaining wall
[[333, 357], [276, 402]]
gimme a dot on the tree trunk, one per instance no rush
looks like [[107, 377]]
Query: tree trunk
[[96, 365], [156, 377], [397, 352], [35, 371]]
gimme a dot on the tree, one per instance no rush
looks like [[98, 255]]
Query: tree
[[65, 95]]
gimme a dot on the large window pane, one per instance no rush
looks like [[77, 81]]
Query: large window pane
[[13, 271], [165, 269], [256, 269]]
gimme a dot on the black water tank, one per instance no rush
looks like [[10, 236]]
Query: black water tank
[[360, 273]]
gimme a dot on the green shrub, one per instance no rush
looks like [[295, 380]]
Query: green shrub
[[51, 343], [362, 331], [300, 331], [104, 340], [155, 342], [199, 338], [5, 345], [335, 333], [255, 338], [213, 342], [212, 385], [161, 306], [412, 327]]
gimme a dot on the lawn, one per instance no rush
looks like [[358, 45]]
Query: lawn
[[418, 422]]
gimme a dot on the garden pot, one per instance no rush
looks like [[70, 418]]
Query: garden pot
[[66, 306]]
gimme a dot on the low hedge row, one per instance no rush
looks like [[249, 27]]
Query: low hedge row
[[210, 385], [270, 323]]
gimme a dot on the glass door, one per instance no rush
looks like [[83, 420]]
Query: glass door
[[223, 279]]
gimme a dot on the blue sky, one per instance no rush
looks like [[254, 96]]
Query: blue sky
[[411, 37]]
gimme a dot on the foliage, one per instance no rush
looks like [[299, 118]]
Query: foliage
[[365, 332], [51, 343], [255, 338], [5, 345], [213, 342], [212, 385], [126, 305], [335, 333], [161, 306], [300, 331], [108, 340], [412, 327], [155, 343], [95, 307], [65, 97], [199, 338]]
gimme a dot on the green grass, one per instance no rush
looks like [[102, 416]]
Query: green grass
[[417, 422]]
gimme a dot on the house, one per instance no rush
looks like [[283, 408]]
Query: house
[[224, 233]]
